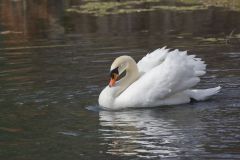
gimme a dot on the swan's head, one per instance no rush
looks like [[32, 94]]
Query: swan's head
[[118, 66]]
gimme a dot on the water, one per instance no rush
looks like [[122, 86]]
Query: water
[[54, 65]]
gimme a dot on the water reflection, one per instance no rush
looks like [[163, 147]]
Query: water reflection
[[31, 19], [49, 19], [151, 133]]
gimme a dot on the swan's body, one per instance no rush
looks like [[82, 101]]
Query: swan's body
[[159, 78]]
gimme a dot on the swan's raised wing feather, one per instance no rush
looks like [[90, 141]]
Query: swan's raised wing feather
[[152, 60], [177, 72]]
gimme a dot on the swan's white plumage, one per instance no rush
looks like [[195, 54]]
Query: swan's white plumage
[[166, 78], [152, 60]]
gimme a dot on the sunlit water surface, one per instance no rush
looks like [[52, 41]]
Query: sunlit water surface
[[53, 70]]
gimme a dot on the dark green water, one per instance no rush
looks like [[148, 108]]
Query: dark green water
[[53, 66]]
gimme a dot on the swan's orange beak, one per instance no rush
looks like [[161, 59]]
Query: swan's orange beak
[[113, 79]]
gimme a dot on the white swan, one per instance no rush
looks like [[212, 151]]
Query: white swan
[[162, 77]]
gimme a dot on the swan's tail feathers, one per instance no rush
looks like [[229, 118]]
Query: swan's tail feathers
[[203, 94]]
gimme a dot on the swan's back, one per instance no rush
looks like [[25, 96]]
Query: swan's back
[[158, 56]]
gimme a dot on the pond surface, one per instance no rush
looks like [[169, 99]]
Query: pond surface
[[54, 64]]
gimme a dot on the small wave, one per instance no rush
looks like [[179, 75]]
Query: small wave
[[94, 108], [69, 133]]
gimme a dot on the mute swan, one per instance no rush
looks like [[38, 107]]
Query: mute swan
[[162, 77]]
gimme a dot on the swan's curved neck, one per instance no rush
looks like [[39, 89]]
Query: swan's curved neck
[[132, 74]]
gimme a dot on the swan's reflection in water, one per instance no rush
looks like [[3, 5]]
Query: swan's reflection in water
[[145, 133]]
